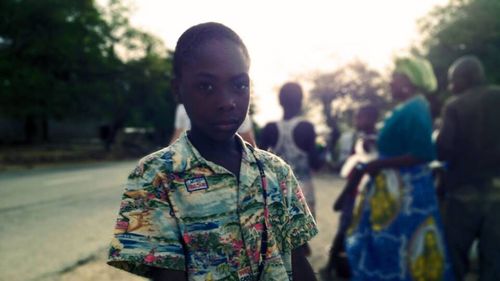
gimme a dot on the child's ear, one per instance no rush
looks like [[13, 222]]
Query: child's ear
[[175, 86]]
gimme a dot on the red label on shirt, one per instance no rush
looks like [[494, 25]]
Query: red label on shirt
[[197, 183], [245, 274]]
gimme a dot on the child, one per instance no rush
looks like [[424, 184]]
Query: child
[[209, 206], [294, 140], [363, 150]]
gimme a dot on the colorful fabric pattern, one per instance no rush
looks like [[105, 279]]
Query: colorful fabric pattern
[[308, 190], [397, 233], [182, 212]]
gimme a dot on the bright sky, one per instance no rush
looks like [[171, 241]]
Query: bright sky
[[292, 39]]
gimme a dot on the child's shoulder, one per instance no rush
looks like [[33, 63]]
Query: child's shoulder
[[172, 158], [271, 161]]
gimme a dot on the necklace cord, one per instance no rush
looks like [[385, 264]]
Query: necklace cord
[[264, 236]]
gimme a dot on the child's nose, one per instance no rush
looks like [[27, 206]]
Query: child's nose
[[227, 100]]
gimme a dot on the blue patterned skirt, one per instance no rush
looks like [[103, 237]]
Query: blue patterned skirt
[[396, 232]]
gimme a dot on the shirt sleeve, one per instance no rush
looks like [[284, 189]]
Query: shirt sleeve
[[181, 118], [301, 226], [145, 234]]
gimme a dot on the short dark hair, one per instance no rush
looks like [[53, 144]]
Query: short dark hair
[[369, 110], [291, 94], [468, 68], [195, 36]]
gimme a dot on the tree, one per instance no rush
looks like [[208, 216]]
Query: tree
[[139, 94], [49, 52], [459, 28], [342, 90], [70, 60]]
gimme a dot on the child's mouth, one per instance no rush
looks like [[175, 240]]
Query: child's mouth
[[226, 125]]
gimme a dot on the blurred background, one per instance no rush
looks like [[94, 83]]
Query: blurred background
[[84, 92]]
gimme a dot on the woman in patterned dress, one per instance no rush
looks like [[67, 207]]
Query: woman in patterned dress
[[397, 233]]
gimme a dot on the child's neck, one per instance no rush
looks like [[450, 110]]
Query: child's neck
[[226, 153], [289, 114]]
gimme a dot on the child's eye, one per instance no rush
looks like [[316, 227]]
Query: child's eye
[[206, 87], [242, 86]]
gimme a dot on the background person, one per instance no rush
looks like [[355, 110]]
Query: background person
[[362, 148], [294, 140], [469, 142], [396, 232]]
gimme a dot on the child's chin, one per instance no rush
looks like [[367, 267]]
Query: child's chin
[[222, 136]]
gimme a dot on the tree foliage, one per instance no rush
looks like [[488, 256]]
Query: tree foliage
[[459, 28], [341, 91], [71, 60], [47, 48], [345, 88]]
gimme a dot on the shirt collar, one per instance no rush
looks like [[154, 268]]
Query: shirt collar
[[195, 159]]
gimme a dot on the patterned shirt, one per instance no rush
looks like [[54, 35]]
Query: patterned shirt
[[183, 212]]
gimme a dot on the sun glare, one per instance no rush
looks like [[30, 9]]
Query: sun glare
[[291, 40]]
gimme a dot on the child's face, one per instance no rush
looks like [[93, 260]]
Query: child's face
[[363, 121], [214, 88]]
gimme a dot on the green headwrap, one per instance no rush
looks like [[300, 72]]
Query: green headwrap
[[419, 71]]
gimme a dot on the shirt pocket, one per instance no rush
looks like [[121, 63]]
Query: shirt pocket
[[198, 196], [214, 247]]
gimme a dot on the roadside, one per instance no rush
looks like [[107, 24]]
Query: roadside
[[22, 156], [94, 267]]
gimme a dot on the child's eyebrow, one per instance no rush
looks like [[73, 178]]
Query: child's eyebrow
[[205, 75], [241, 76]]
